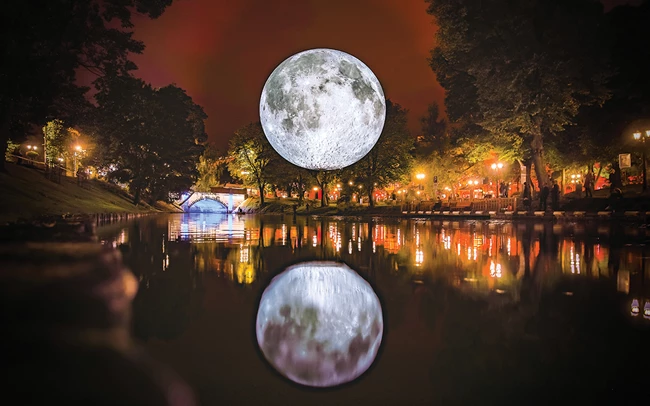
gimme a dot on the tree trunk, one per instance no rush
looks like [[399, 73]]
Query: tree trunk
[[4, 138], [600, 171], [371, 201], [261, 189], [529, 175], [136, 196], [537, 145], [323, 196]]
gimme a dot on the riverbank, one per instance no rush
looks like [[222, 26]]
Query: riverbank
[[635, 209], [25, 194]]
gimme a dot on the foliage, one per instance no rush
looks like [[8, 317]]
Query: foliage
[[520, 70], [56, 138], [323, 179], [252, 155], [149, 137], [289, 177], [12, 148], [47, 42], [210, 168], [434, 132], [390, 160]]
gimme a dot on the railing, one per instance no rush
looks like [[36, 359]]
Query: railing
[[485, 205], [52, 172], [498, 204]]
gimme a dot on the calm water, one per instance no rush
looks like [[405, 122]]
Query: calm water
[[489, 312]]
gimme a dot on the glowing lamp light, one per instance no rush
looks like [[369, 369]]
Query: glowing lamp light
[[315, 189], [319, 324], [419, 176], [646, 310], [635, 308], [637, 135], [322, 109]]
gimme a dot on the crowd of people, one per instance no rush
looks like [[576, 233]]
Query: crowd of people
[[552, 190]]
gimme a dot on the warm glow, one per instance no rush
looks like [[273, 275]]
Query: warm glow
[[647, 134], [315, 189], [245, 172], [637, 135], [494, 166], [635, 307], [419, 176], [350, 183], [77, 147]]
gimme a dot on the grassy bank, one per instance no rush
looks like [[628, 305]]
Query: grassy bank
[[25, 193]]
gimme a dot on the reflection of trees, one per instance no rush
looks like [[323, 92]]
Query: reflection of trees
[[170, 290]]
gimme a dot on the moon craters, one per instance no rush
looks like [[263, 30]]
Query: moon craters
[[319, 324], [322, 109]]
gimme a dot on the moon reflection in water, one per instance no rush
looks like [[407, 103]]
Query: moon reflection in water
[[319, 324]]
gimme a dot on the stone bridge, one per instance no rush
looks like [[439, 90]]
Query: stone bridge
[[218, 200]]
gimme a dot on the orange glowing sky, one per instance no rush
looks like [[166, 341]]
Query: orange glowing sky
[[222, 51]]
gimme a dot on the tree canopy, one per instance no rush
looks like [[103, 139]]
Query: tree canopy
[[46, 42], [252, 154], [390, 160], [520, 70], [151, 138]]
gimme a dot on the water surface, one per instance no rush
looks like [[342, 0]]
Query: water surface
[[474, 311]]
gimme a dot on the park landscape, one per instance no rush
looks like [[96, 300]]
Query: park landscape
[[500, 215]]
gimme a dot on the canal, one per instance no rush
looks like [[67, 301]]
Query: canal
[[474, 311]]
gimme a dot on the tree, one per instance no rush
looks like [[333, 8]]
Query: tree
[[252, 154], [13, 148], [56, 138], [520, 69], [434, 132], [151, 138], [390, 159], [46, 42], [323, 179], [285, 175], [210, 167]]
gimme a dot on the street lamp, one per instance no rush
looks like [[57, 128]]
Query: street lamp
[[78, 151], [497, 168], [638, 136], [419, 176]]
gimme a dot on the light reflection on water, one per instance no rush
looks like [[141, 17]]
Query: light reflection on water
[[193, 262], [480, 256]]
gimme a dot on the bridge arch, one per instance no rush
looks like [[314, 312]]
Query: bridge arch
[[206, 204]]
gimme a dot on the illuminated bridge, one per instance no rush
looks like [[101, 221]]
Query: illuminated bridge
[[218, 200]]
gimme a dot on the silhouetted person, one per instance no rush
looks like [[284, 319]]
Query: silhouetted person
[[589, 184], [555, 196], [527, 195], [543, 197]]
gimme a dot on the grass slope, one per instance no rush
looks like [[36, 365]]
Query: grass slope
[[25, 193]]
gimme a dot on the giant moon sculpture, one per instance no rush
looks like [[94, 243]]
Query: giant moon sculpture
[[319, 324], [322, 109]]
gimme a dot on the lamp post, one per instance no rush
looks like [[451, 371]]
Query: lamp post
[[77, 151], [496, 167], [639, 137]]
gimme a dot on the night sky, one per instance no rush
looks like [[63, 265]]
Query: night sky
[[222, 51]]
